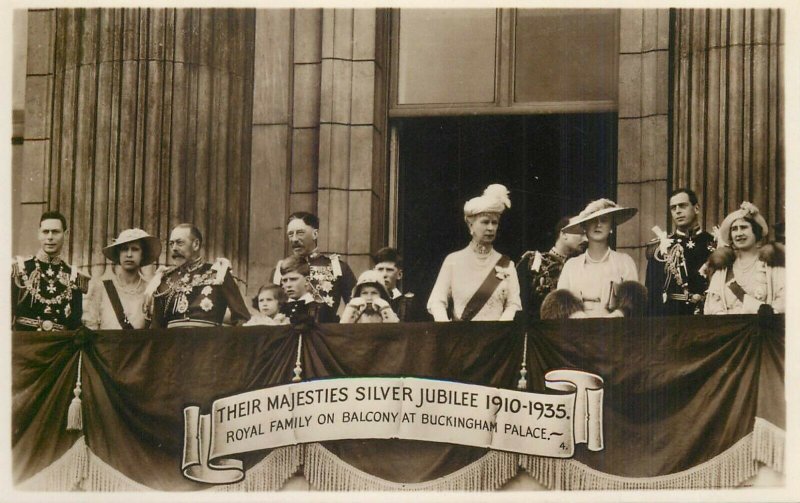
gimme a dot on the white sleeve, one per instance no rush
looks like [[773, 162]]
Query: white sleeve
[[778, 285], [437, 302], [629, 272], [513, 302], [564, 277], [91, 305]]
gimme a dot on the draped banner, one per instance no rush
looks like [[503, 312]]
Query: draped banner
[[686, 402], [402, 408]]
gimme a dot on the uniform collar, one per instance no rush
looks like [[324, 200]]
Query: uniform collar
[[396, 293], [41, 256], [191, 266], [692, 232]]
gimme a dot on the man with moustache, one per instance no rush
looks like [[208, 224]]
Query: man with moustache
[[46, 293], [538, 272], [193, 292], [673, 279], [330, 278]]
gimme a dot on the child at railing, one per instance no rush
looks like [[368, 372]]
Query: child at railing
[[269, 300], [370, 302]]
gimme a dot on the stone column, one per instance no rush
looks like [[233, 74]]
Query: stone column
[[728, 139], [643, 140], [141, 117], [351, 182]]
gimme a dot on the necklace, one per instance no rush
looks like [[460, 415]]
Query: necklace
[[128, 289], [741, 268], [481, 250]]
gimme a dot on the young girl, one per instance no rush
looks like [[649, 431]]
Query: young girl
[[269, 301], [370, 302]]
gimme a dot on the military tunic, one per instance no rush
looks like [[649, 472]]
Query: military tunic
[[404, 306], [674, 283], [196, 294], [331, 280], [538, 275], [46, 294]]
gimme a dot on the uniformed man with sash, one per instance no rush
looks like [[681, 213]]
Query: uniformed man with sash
[[331, 279], [674, 281], [46, 293], [193, 292], [539, 272]]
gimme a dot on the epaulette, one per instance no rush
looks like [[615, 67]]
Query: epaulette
[[335, 265], [82, 282], [18, 266], [221, 266]]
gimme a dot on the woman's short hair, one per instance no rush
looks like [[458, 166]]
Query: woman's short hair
[[560, 305], [276, 290], [293, 264], [758, 232], [632, 299]]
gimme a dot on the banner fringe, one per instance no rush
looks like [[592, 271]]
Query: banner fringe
[[79, 469], [733, 467], [270, 473], [769, 443], [326, 472]]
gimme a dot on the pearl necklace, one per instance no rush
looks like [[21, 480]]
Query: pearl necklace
[[130, 290]]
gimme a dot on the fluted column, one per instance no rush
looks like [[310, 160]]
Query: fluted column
[[728, 114], [146, 122]]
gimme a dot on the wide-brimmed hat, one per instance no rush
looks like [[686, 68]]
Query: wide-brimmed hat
[[371, 277], [597, 209], [494, 200], [747, 209], [151, 246]]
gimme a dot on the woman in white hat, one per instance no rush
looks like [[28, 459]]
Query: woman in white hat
[[594, 275], [116, 300], [748, 276], [370, 301], [481, 282]]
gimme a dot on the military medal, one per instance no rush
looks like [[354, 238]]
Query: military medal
[[182, 304]]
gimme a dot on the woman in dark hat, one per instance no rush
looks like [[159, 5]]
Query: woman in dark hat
[[748, 276], [116, 300], [594, 275]]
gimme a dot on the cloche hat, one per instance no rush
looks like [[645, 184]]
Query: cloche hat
[[597, 209], [151, 246], [371, 277], [494, 200], [747, 209]]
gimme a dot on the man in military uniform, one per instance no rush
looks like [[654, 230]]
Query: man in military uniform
[[330, 278], [673, 280], [539, 272], [193, 292], [46, 293], [389, 263]]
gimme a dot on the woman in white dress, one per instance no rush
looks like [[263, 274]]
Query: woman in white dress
[[481, 282], [594, 275], [115, 301], [748, 276]]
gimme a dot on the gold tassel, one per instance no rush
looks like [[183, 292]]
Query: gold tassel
[[298, 367], [74, 415], [523, 371]]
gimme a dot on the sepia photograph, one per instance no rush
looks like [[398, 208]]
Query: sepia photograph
[[318, 250]]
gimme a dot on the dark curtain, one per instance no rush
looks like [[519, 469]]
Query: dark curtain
[[677, 393]]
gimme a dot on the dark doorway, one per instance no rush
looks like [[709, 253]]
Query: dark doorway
[[552, 164]]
